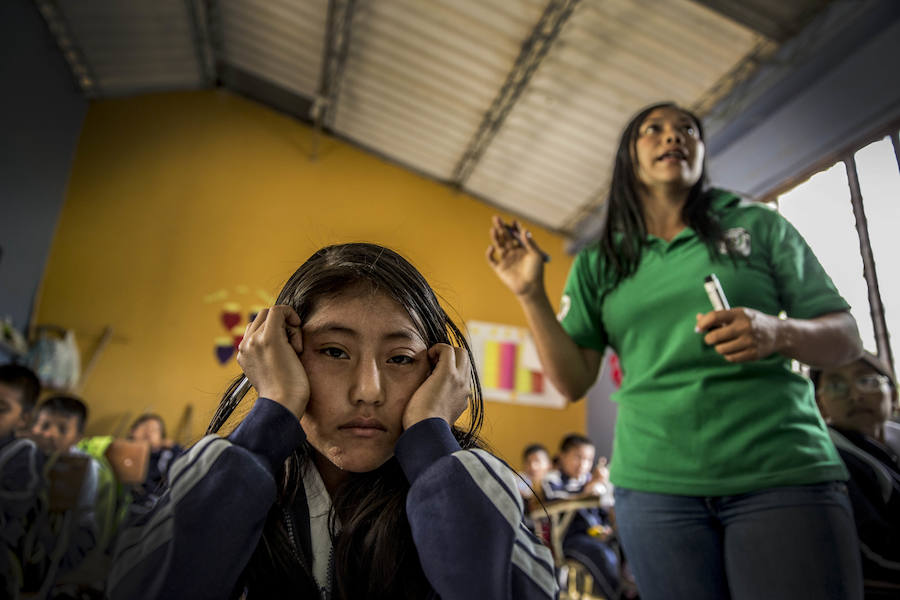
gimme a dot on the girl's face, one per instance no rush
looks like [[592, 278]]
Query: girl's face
[[364, 359], [149, 431], [668, 150], [537, 464]]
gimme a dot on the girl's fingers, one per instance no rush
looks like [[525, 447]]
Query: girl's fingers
[[437, 353], [462, 359], [291, 317], [295, 338], [284, 320], [275, 322], [257, 322]]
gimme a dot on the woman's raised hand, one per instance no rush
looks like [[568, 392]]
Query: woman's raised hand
[[516, 258], [269, 354], [445, 391]]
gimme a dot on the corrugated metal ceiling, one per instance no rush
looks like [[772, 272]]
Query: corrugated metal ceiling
[[518, 102]]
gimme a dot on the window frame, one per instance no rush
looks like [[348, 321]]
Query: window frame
[[847, 155]]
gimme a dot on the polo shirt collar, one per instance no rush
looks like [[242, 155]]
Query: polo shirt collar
[[722, 199]]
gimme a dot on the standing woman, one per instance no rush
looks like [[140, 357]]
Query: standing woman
[[727, 485]]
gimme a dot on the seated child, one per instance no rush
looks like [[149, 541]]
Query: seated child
[[21, 466], [151, 428], [349, 477], [535, 464], [855, 401], [73, 480], [587, 536]]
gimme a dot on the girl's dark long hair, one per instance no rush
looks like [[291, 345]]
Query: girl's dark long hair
[[374, 554], [624, 229]]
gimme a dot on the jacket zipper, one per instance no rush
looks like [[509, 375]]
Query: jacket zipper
[[330, 578], [295, 550]]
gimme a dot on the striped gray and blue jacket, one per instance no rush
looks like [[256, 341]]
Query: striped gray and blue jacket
[[463, 507]]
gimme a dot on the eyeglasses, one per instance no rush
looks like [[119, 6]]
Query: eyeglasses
[[865, 384]]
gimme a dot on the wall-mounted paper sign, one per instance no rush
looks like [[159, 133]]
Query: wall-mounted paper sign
[[508, 365]]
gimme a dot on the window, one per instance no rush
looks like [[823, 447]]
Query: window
[[822, 211], [879, 181]]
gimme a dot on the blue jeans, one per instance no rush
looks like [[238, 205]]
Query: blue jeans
[[786, 542]]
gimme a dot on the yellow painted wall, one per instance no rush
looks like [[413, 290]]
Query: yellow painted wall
[[175, 197]]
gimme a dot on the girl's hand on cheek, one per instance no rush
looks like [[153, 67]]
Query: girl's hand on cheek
[[444, 393], [269, 354]]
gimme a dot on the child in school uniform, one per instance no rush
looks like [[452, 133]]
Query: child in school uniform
[[587, 535], [349, 477], [21, 465], [151, 429]]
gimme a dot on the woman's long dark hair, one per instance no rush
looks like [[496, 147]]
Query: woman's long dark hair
[[624, 229], [374, 554]]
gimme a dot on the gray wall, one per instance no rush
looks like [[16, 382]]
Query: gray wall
[[601, 411], [846, 89], [41, 113]]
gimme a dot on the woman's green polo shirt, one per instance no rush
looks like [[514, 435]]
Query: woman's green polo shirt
[[690, 422]]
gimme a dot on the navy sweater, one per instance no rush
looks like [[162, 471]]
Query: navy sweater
[[463, 508]]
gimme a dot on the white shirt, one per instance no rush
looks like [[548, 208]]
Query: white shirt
[[319, 503]]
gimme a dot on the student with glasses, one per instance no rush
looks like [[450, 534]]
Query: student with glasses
[[856, 401]]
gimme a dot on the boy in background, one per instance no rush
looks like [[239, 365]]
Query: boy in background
[[59, 424], [19, 389], [151, 429], [72, 531], [587, 535], [21, 464], [536, 464]]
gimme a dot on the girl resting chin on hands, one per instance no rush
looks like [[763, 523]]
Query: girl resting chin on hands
[[348, 478]]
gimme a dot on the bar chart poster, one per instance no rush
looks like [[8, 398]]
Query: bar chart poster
[[508, 365]]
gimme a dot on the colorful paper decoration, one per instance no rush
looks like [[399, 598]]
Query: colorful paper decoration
[[509, 367], [254, 310], [237, 334], [225, 349], [231, 315]]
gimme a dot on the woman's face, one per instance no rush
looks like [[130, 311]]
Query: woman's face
[[668, 150], [364, 359]]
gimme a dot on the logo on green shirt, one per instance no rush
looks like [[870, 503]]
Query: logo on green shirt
[[736, 240]]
